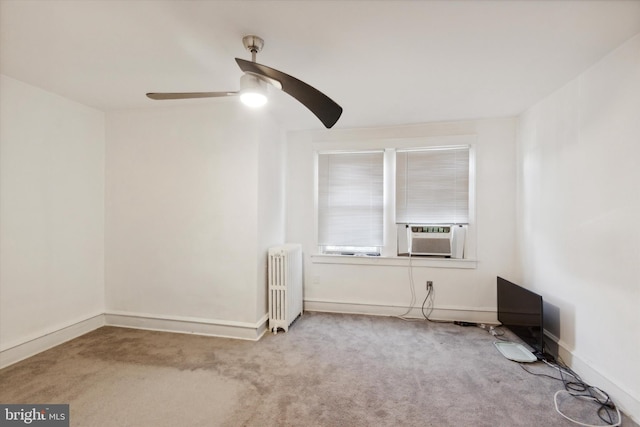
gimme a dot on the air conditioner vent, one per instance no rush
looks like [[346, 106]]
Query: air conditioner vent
[[436, 240]]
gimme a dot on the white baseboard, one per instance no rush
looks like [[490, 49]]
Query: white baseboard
[[623, 398], [33, 346], [218, 328], [189, 325], [466, 314]]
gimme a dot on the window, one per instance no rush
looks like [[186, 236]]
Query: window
[[432, 186], [364, 199], [350, 202]]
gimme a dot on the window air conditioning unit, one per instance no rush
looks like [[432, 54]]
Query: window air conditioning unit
[[439, 240]]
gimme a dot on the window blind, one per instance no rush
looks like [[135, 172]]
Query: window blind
[[350, 199], [432, 186]]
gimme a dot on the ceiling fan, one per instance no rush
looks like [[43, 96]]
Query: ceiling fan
[[253, 87]]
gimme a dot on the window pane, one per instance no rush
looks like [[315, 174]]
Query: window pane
[[350, 199], [432, 186]]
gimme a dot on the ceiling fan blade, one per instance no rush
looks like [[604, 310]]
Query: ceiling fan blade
[[187, 95], [320, 104]]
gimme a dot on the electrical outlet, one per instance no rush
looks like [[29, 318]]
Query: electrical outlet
[[429, 284]]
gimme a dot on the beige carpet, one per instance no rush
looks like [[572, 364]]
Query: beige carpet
[[328, 370]]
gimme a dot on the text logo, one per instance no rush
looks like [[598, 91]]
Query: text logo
[[34, 415]]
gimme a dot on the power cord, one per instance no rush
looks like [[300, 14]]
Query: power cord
[[497, 333], [582, 390], [431, 297], [604, 408], [574, 386], [412, 288]]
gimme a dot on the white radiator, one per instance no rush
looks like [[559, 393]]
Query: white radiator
[[285, 286]]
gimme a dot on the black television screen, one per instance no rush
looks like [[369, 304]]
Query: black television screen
[[520, 310]]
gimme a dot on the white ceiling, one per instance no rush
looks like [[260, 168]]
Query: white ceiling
[[385, 62]]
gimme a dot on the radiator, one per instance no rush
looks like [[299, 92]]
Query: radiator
[[285, 286]]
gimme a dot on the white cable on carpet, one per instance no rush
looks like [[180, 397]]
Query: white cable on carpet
[[555, 401]]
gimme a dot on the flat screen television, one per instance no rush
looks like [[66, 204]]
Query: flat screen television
[[520, 310]]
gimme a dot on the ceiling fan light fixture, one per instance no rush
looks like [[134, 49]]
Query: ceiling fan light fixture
[[253, 91], [254, 82]]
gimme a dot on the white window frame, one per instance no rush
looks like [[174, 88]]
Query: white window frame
[[389, 252]]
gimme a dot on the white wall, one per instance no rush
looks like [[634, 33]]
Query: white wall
[[51, 213], [579, 205], [271, 208], [184, 207], [461, 294]]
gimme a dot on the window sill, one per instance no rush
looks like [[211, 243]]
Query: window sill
[[394, 261]]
